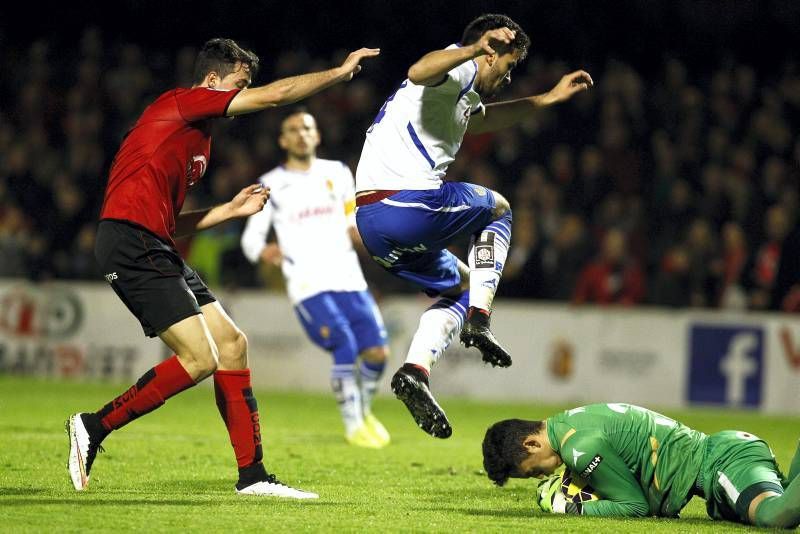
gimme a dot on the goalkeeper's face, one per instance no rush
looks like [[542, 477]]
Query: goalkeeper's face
[[541, 459]]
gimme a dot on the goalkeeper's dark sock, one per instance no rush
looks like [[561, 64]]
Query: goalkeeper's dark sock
[[151, 391], [781, 511], [239, 411], [794, 467]]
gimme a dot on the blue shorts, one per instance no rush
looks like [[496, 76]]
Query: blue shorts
[[408, 232], [334, 318]]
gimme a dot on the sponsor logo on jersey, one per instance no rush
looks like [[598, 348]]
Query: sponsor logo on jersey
[[592, 466], [195, 169], [317, 211], [726, 364]]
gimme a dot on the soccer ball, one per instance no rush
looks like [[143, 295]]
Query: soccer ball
[[576, 489]]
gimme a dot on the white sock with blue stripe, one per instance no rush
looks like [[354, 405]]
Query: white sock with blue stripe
[[348, 395], [437, 327], [487, 256], [369, 375]]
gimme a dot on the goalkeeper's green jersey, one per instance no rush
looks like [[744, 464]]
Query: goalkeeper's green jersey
[[641, 462]]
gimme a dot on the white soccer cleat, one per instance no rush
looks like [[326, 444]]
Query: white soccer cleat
[[272, 487], [82, 452]]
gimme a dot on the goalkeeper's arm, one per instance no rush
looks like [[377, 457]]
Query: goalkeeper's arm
[[619, 492]]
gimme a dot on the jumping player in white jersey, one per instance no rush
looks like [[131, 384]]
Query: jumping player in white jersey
[[407, 214], [312, 210]]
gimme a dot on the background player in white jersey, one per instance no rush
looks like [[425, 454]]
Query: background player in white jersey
[[312, 210], [407, 214]]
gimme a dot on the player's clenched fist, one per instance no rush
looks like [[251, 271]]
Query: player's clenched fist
[[351, 66]]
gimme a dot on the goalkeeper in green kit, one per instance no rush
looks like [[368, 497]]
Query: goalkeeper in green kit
[[642, 463]]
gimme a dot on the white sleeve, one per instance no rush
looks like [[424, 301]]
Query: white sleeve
[[254, 237], [464, 75], [348, 195], [460, 78]]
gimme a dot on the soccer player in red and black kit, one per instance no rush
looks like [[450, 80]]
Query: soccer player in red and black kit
[[164, 154]]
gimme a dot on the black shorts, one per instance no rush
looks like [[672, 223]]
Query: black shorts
[[148, 275]]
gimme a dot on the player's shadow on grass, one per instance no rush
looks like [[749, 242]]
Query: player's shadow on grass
[[679, 524], [519, 512], [20, 491], [108, 499]]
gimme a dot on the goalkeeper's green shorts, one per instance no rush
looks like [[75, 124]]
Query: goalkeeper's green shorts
[[737, 468]]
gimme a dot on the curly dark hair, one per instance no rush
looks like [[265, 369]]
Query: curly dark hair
[[503, 448], [221, 55], [492, 21]]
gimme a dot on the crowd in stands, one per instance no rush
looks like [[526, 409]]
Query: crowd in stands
[[680, 189]]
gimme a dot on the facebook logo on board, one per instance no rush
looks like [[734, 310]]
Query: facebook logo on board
[[726, 364]]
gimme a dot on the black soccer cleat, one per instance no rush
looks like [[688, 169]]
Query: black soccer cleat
[[476, 333], [410, 385]]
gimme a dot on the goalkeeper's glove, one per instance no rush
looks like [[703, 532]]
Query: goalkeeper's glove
[[550, 498]]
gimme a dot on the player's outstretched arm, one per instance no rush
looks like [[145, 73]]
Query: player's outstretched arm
[[434, 66], [290, 90], [248, 201], [505, 114]]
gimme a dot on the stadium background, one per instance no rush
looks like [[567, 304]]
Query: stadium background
[[672, 185], [688, 145]]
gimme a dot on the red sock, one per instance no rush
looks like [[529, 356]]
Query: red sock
[[239, 410], [427, 373], [153, 388]]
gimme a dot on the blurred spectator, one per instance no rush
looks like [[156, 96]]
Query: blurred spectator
[[672, 283], [14, 239], [563, 258], [732, 293], [767, 259], [705, 267], [613, 278], [786, 287], [522, 276]]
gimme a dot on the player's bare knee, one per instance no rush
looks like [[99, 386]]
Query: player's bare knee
[[501, 207], [375, 354], [199, 362], [233, 351]]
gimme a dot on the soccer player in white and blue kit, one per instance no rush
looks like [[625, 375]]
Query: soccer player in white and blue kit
[[312, 210], [407, 214]]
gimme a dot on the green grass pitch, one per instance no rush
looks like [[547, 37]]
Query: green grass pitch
[[174, 469]]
